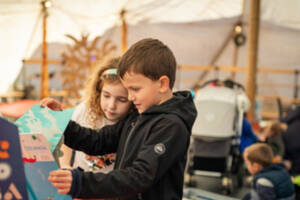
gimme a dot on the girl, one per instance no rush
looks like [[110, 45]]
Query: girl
[[105, 102], [273, 133]]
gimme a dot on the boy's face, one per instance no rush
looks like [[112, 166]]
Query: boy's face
[[142, 91], [252, 167]]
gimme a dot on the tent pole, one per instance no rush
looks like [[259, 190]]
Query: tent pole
[[44, 75], [234, 61], [252, 55], [124, 31]]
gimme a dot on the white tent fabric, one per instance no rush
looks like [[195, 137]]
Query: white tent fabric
[[193, 29], [199, 44]]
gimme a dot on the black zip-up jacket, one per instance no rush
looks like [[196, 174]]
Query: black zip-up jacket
[[151, 153], [291, 138]]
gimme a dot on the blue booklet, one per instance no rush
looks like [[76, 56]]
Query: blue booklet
[[12, 177], [38, 163], [46, 121], [40, 131]]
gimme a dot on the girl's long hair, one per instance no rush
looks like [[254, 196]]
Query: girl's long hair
[[92, 95]]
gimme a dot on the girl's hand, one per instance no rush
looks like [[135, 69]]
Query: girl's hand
[[62, 180], [51, 103], [91, 158]]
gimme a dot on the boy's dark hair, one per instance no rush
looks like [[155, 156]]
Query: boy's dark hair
[[151, 58], [260, 153]]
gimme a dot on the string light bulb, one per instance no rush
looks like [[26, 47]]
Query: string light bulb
[[47, 3], [238, 29]]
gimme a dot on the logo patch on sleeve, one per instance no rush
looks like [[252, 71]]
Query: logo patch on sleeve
[[159, 148]]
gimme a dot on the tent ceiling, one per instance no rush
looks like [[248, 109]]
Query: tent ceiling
[[18, 19]]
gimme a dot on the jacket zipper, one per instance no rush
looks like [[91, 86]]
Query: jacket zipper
[[133, 124]]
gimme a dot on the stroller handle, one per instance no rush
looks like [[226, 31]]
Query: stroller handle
[[226, 83]]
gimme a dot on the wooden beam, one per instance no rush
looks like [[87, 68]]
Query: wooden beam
[[17, 94], [61, 93], [238, 69], [44, 75], [39, 61], [12, 94], [273, 98], [252, 55], [211, 68], [124, 31], [270, 115], [262, 85]]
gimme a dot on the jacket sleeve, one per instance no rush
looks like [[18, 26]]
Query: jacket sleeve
[[90, 141], [247, 130], [164, 146], [265, 189]]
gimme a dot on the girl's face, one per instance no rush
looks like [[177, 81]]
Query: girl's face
[[114, 101]]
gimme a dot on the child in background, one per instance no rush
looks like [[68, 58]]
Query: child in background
[[151, 143], [248, 137], [273, 133], [105, 102], [270, 181], [291, 138]]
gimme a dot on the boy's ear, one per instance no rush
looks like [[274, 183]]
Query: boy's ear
[[164, 82], [257, 166]]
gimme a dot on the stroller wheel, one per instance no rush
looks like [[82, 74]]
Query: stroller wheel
[[189, 181], [227, 185], [226, 192]]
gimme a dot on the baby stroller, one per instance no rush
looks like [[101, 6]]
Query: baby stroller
[[216, 133]]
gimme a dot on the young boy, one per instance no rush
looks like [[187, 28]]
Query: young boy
[[270, 181], [151, 143]]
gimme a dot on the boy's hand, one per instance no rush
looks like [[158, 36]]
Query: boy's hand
[[276, 159], [51, 103], [287, 164], [62, 180]]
